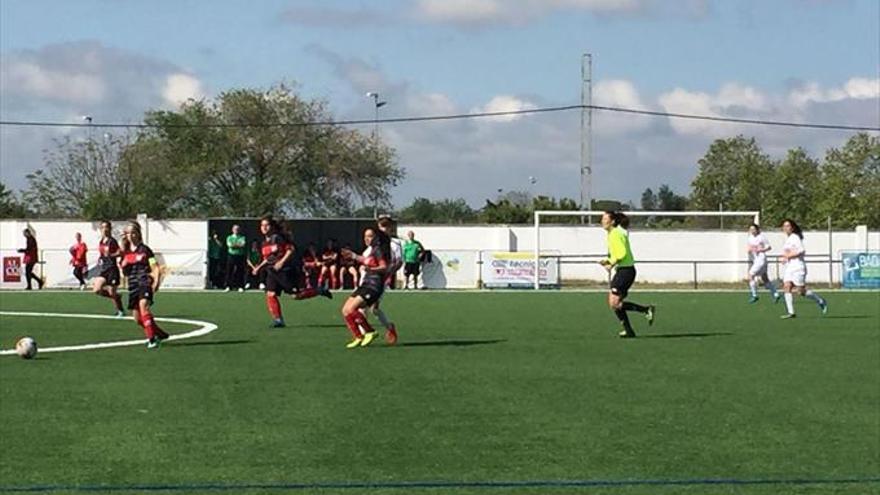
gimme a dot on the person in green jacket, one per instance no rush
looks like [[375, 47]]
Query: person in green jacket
[[412, 258], [235, 259], [620, 259]]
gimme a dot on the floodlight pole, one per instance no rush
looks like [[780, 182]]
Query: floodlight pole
[[586, 132]]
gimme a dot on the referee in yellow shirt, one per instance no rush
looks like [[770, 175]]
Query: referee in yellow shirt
[[620, 259]]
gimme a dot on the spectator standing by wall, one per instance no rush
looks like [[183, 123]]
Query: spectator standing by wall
[[215, 248], [412, 255], [254, 259], [235, 259]]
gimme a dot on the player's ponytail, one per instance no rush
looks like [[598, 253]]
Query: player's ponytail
[[622, 220], [795, 228]]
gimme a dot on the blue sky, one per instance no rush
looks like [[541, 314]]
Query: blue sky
[[807, 60]]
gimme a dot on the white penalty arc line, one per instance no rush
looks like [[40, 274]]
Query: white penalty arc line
[[204, 329]]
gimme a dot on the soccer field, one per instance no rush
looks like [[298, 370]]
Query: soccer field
[[485, 393]]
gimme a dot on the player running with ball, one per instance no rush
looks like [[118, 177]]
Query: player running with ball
[[144, 275]]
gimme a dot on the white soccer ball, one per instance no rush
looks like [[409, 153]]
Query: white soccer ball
[[26, 347]]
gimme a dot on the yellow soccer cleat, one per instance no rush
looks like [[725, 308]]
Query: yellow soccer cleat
[[354, 343], [368, 337]]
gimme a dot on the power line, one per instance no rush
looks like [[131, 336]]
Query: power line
[[460, 116]]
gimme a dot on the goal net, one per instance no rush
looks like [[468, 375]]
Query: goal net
[[671, 248]]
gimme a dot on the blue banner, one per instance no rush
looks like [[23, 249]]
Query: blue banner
[[861, 269]]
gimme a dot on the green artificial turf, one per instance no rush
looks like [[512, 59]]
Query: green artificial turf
[[509, 387]]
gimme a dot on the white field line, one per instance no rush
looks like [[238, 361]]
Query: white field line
[[204, 329]]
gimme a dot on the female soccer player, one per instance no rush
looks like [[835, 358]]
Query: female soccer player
[[372, 286], [107, 281], [758, 246], [281, 277], [144, 275], [78, 260], [385, 226], [329, 268], [795, 277], [621, 259], [31, 255]]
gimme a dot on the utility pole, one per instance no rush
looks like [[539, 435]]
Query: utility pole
[[586, 132]]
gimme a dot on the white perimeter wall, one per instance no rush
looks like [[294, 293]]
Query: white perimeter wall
[[173, 240], [190, 236], [648, 245]]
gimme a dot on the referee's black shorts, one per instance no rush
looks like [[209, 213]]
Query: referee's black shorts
[[623, 279]]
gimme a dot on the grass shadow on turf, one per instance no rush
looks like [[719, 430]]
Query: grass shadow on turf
[[453, 343], [685, 335], [216, 342]]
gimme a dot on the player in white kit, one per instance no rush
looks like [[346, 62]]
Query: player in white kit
[[795, 277], [758, 247]]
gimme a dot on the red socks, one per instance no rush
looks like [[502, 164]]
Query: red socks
[[353, 321], [274, 306]]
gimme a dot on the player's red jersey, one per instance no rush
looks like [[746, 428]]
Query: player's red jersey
[[78, 254], [137, 266], [274, 247], [107, 249]]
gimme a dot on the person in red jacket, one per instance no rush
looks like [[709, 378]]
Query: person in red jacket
[[30, 259], [78, 260]]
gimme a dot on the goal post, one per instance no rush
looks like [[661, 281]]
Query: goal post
[[755, 215]]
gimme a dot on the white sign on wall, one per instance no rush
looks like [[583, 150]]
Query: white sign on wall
[[183, 270], [517, 269], [451, 270]]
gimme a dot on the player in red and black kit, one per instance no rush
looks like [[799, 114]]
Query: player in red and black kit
[[31, 254], [277, 251], [78, 260], [107, 282], [311, 266], [144, 274], [372, 286], [329, 265]]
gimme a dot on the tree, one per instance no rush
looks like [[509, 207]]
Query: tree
[[246, 153], [10, 206], [732, 175], [448, 211], [649, 200], [85, 179], [793, 191], [667, 200], [850, 183]]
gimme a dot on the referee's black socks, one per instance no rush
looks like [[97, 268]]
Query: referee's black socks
[[624, 319], [628, 306]]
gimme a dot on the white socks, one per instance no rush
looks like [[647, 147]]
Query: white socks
[[789, 303], [753, 288]]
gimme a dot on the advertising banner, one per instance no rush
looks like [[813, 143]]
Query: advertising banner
[[12, 269], [450, 270], [861, 269], [517, 269], [183, 269]]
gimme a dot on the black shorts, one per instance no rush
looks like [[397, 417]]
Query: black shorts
[[285, 280], [135, 294], [111, 275], [370, 295], [623, 280], [411, 269]]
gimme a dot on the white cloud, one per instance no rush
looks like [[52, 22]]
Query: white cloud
[[181, 87], [858, 88], [504, 103], [33, 80], [484, 12], [61, 82], [617, 93]]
